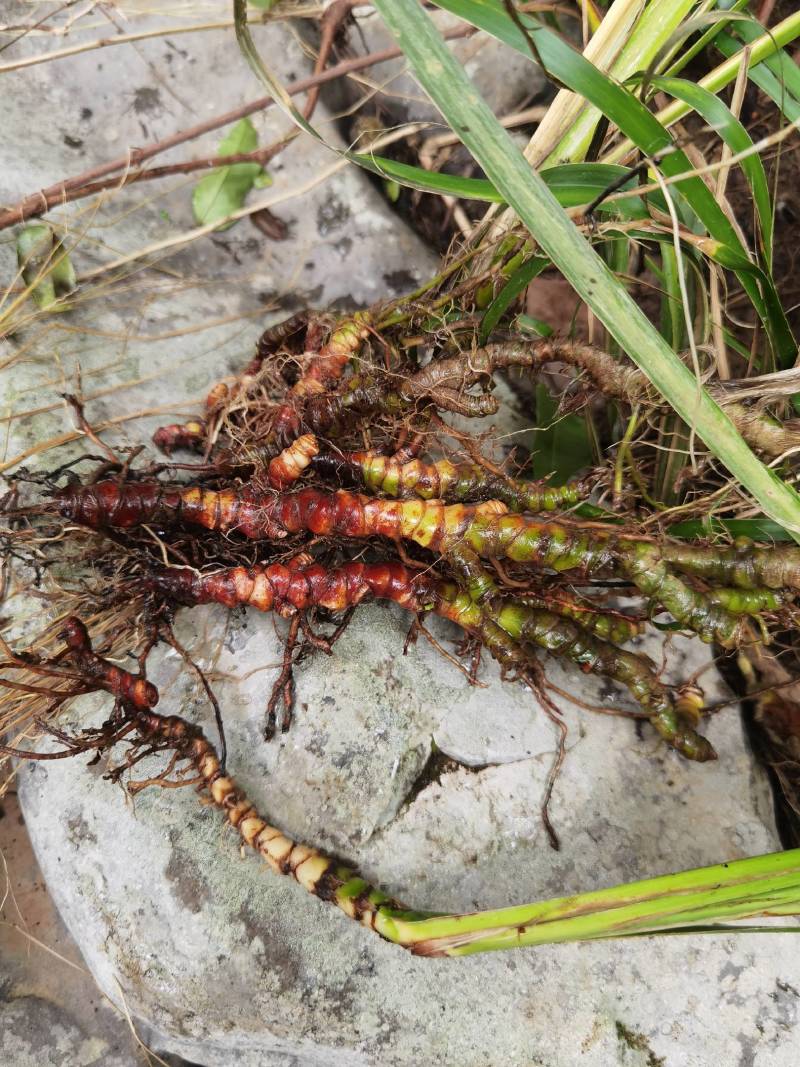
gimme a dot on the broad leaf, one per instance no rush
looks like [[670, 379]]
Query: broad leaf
[[224, 190]]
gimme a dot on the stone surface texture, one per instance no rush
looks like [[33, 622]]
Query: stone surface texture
[[504, 77], [230, 964], [218, 960], [157, 338], [51, 1011]]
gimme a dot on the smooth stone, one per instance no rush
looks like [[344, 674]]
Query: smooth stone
[[223, 959]]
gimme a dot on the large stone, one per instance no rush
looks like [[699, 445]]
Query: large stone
[[51, 1011], [229, 963], [34, 1033], [154, 342]]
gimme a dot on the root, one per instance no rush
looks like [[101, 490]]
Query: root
[[318, 874], [396, 476], [466, 540], [283, 687]]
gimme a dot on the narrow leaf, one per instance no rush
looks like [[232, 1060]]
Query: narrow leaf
[[719, 116], [631, 116], [516, 284], [468, 114]]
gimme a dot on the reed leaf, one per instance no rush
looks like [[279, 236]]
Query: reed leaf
[[447, 84]]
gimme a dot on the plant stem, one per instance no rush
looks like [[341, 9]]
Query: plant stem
[[765, 885]]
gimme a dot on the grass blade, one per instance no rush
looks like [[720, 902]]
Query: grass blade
[[763, 47], [519, 280], [777, 76], [738, 890], [447, 84], [631, 116], [720, 118]]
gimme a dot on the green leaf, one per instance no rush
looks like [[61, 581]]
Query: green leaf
[[778, 75], [722, 120], [719, 116], [759, 529], [470, 117], [631, 116], [673, 903], [715, 21], [579, 184], [224, 190], [528, 324], [573, 184], [427, 181], [44, 265], [519, 281], [561, 444], [762, 49]]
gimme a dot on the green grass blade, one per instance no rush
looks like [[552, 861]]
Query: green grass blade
[[631, 116], [756, 529], [628, 40], [579, 184], [765, 46], [405, 174], [722, 120], [781, 64], [573, 184], [710, 24], [737, 890], [777, 76], [519, 281], [447, 84], [425, 180]]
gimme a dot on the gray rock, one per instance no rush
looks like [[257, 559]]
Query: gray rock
[[160, 339], [504, 77], [36, 1033], [228, 963], [51, 1011]]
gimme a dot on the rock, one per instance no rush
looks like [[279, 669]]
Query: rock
[[155, 343], [223, 959], [505, 78], [34, 1033], [51, 1011]]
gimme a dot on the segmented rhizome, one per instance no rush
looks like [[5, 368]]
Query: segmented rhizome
[[327, 474]]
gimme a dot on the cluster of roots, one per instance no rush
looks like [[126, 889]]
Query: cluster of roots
[[331, 471]]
